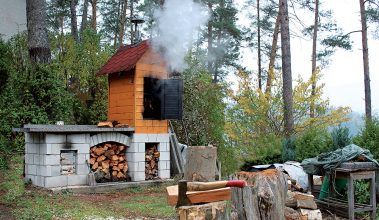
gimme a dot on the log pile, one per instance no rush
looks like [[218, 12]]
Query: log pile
[[151, 162], [108, 162]]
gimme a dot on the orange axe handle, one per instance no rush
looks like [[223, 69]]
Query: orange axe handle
[[202, 186]]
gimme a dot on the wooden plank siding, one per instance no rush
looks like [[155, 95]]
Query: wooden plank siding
[[150, 65], [126, 94]]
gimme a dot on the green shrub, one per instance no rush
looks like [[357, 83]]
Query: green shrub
[[340, 137], [311, 143], [13, 183], [289, 149], [368, 138]]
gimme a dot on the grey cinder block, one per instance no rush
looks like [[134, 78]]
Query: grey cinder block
[[55, 138], [82, 169], [73, 180], [164, 156], [56, 181], [163, 138], [164, 174]]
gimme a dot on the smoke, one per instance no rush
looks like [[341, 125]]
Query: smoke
[[176, 24]]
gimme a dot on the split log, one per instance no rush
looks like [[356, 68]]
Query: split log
[[106, 124], [101, 158], [264, 197], [214, 211], [201, 163]]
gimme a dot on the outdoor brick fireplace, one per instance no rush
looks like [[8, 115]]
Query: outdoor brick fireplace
[[57, 155]]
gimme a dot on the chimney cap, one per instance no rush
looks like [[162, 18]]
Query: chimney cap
[[136, 20]]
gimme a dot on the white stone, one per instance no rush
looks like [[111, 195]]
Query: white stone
[[141, 166], [29, 158], [47, 170], [40, 181], [164, 156], [55, 138], [56, 181], [82, 169], [163, 138], [73, 180], [132, 166], [164, 165], [139, 157], [132, 148], [32, 169], [152, 138], [164, 147], [164, 174], [81, 148]]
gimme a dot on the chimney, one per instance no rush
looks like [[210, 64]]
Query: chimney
[[136, 38]]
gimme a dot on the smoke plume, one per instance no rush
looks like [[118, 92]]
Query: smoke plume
[[176, 24]]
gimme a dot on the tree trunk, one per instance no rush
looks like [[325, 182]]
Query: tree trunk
[[201, 163], [131, 25], [286, 68], [208, 211], [366, 70], [274, 46], [122, 22], [218, 60], [94, 14], [259, 48], [314, 52], [83, 25], [74, 22], [210, 42], [263, 198], [38, 41]]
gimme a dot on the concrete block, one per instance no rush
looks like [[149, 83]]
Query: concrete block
[[29, 158], [55, 138], [73, 180], [29, 138], [152, 137], [140, 138], [164, 174], [133, 166], [82, 158], [56, 181], [31, 178], [141, 166], [40, 181], [163, 165], [142, 147], [133, 148], [164, 147], [37, 159], [163, 138], [47, 170], [32, 148], [164, 156], [78, 138], [81, 148], [50, 160], [135, 157], [138, 176], [100, 139], [32, 169], [82, 169]]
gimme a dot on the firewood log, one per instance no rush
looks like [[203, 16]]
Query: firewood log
[[105, 165], [92, 160], [114, 158], [93, 155], [125, 169], [121, 158], [120, 166], [115, 168], [95, 165], [157, 154], [101, 158], [114, 173], [99, 151], [108, 124], [120, 175], [121, 147], [108, 145], [152, 164]]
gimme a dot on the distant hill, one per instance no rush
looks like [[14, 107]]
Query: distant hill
[[355, 124]]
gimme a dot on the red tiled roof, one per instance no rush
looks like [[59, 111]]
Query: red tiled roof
[[125, 58]]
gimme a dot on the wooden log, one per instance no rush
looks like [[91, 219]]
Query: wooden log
[[214, 211], [92, 160], [107, 124], [101, 158], [121, 158], [125, 169], [95, 166], [105, 164], [201, 163], [114, 158], [121, 147], [99, 151], [264, 197]]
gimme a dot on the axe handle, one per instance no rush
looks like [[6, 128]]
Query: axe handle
[[202, 186]]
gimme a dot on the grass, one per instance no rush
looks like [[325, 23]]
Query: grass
[[26, 202]]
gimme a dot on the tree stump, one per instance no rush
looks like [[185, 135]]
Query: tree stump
[[263, 198], [201, 163], [209, 211]]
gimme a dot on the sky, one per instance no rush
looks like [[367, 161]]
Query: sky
[[343, 77]]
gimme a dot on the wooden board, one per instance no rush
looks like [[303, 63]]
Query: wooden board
[[196, 197]]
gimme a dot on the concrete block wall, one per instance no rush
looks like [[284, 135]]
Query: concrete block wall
[[136, 155], [42, 156]]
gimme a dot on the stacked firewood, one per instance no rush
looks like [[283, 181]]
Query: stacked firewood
[[108, 162], [151, 162]]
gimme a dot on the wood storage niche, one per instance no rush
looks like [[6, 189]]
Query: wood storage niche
[[151, 161], [108, 162]]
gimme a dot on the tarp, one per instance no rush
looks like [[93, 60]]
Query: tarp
[[326, 162]]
